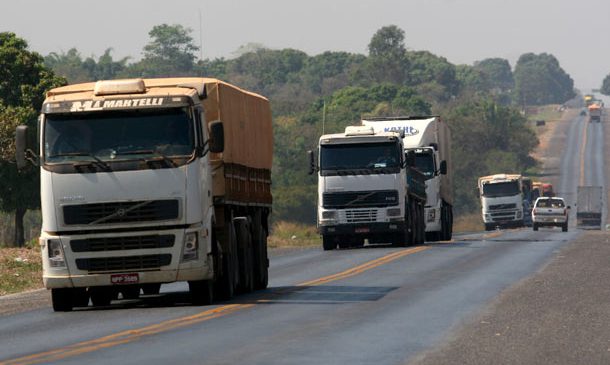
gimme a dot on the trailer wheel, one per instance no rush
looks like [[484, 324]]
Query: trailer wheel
[[261, 259], [228, 276], [63, 299], [328, 243], [202, 292], [245, 255]]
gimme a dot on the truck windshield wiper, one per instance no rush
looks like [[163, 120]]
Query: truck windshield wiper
[[99, 161], [165, 159]]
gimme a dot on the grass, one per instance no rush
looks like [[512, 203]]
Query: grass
[[468, 223], [288, 234], [20, 270], [547, 113]]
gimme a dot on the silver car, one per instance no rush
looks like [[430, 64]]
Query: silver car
[[550, 211]]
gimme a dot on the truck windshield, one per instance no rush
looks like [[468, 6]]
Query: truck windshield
[[508, 188], [117, 135], [366, 156], [424, 162]]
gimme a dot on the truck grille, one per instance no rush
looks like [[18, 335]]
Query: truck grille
[[121, 212], [127, 263], [122, 243], [360, 199], [502, 206], [361, 216]]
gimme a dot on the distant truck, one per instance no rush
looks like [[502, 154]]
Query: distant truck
[[595, 113], [589, 205], [501, 200], [369, 189], [152, 181], [429, 138]]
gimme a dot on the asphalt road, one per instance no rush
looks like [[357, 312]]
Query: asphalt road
[[377, 305]]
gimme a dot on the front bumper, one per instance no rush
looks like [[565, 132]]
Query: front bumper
[[363, 229]]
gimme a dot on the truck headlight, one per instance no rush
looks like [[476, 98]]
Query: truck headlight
[[330, 215], [56, 253], [191, 245], [394, 212]]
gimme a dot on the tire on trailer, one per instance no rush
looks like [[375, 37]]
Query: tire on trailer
[[245, 254], [261, 258], [227, 270]]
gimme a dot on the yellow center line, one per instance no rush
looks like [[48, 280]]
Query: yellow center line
[[131, 335], [583, 144]]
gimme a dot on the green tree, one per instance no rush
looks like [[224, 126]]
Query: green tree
[[605, 89], [387, 60], [23, 82], [170, 52], [539, 80], [498, 73]]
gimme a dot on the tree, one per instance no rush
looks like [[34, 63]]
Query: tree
[[71, 66], [387, 60], [171, 52], [24, 80], [539, 80], [605, 89], [498, 73]]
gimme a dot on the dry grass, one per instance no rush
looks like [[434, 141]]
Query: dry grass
[[20, 270], [468, 223], [288, 234]]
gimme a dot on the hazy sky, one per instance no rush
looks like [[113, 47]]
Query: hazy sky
[[463, 31]]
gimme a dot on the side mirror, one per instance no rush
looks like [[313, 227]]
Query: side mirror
[[312, 162], [23, 152], [443, 168], [410, 159], [217, 137]]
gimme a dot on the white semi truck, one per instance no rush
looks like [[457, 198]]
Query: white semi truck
[[429, 138], [367, 189], [152, 181], [501, 200]]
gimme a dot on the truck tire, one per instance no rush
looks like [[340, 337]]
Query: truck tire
[[261, 259], [420, 228], [202, 292], [328, 243], [564, 228], [63, 299], [130, 291], [101, 296], [245, 255], [489, 227], [227, 281], [534, 226], [151, 289]]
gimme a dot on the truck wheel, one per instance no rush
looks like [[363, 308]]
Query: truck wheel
[[420, 228], [357, 242], [151, 289], [244, 244], [534, 226], [328, 243], [101, 296], [228, 276], [202, 292], [261, 260], [130, 292], [63, 299], [564, 228]]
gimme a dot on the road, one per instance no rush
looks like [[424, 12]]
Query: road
[[378, 305]]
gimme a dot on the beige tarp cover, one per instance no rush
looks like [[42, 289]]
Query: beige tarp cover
[[246, 118]]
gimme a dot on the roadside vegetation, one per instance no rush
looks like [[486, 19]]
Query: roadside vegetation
[[310, 95], [20, 269]]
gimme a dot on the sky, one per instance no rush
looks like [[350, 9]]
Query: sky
[[463, 31]]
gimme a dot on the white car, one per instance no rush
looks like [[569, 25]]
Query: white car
[[550, 211]]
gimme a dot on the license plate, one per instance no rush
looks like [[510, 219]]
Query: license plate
[[123, 279], [362, 230]]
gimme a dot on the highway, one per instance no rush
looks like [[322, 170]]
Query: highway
[[376, 305]]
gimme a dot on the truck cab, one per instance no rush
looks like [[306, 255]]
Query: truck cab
[[362, 188], [501, 200]]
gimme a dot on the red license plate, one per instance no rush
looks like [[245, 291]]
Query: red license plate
[[362, 230], [124, 279]]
